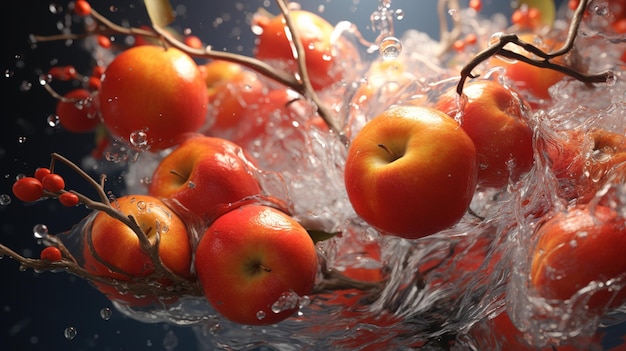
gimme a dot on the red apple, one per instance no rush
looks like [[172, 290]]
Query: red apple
[[411, 172], [577, 247], [252, 259], [583, 160], [495, 119], [112, 249], [155, 91], [326, 57], [383, 80], [205, 175]]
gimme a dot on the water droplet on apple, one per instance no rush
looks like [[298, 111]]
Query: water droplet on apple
[[70, 333], [139, 138], [287, 301], [260, 315], [191, 184], [106, 313], [141, 205], [40, 231], [390, 48]]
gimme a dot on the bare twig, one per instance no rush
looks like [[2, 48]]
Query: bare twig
[[543, 60], [446, 36]]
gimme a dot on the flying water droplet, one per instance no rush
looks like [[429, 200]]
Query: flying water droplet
[[170, 341], [70, 333], [106, 313], [53, 120], [5, 200], [390, 48], [40, 231]]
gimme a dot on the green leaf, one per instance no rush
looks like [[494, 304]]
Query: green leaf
[[160, 11], [320, 235], [546, 7]]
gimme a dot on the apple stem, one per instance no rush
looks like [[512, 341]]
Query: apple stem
[[265, 268], [389, 151], [543, 60], [178, 174]]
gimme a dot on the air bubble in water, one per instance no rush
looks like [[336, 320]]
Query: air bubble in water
[[70, 333], [170, 341], [611, 78], [601, 10], [5, 199], [40, 231], [106, 313], [390, 48], [26, 86]]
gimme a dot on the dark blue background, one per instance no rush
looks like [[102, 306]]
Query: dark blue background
[[36, 308]]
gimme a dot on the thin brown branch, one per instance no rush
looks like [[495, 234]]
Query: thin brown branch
[[543, 60], [448, 36]]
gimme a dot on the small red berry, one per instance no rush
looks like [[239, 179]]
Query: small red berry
[[471, 39], [104, 41], [68, 199], [476, 5], [53, 182], [51, 253], [98, 71], [28, 189], [193, 41], [94, 83], [82, 8], [63, 73], [41, 172], [77, 113]]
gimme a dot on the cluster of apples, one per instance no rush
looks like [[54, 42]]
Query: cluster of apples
[[411, 171], [205, 212]]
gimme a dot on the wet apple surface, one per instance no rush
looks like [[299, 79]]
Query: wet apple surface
[[221, 199]]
